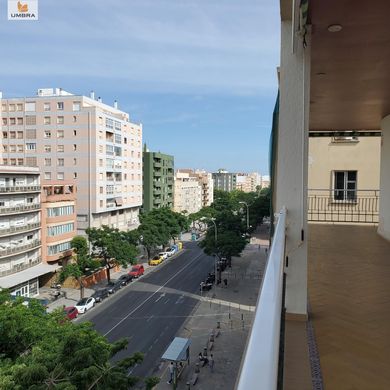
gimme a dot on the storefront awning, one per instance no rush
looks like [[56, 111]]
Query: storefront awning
[[27, 274]]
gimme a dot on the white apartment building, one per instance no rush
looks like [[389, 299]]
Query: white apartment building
[[81, 139], [188, 192], [20, 230]]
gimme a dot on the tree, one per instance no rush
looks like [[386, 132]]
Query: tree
[[112, 246], [80, 263], [43, 351]]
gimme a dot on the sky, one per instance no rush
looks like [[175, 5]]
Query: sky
[[200, 75]]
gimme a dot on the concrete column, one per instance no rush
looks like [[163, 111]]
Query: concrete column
[[291, 165], [384, 205]]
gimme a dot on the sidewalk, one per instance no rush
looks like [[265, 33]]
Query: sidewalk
[[234, 308]]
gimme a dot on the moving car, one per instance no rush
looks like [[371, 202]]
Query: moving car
[[156, 260], [99, 295], [137, 271], [114, 285], [71, 312], [125, 279], [85, 304]]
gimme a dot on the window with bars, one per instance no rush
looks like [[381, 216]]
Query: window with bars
[[31, 120], [345, 185]]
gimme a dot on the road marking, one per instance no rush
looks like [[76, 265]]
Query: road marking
[[151, 296], [161, 296], [180, 299], [149, 318], [166, 301]]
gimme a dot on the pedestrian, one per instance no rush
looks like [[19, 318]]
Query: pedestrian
[[225, 282], [171, 372], [65, 296], [211, 363]]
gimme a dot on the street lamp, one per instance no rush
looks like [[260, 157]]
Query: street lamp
[[247, 214], [215, 243]]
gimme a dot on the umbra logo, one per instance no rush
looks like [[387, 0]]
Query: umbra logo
[[23, 10]]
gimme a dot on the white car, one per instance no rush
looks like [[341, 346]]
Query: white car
[[170, 251], [85, 304], [164, 255]]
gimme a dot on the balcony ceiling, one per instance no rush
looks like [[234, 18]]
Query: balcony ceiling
[[350, 69]]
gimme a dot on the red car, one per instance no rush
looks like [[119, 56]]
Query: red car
[[137, 271], [71, 312]]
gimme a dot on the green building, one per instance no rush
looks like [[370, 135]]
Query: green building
[[158, 180]]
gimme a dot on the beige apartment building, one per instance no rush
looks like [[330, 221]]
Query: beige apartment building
[[207, 184], [188, 192], [248, 182], [81, 139]]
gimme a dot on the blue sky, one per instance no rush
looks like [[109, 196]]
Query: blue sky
[[199, 74]]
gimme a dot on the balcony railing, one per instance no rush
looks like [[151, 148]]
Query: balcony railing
[[347, 206], [20, 189], [22, 228], [259, 369], [21, 267], [20, 248], [20, 208]]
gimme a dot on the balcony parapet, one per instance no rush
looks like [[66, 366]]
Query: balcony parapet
[[19, 229], [19, 209], [11, 189], [20, 248], [22, 267]]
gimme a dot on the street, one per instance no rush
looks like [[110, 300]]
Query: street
[[150, 311]]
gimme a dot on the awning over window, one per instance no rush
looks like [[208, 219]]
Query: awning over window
[[119, 201]]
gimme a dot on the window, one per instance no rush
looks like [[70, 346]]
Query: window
[[5, 148], [74, 175], [109, 123], [12, 121], [19, 134], [13, 161], [47, 148], [47, 162], [60, 229], [4, 121], [12, 148], [46, 120], [5, 134], [118, 139], [60, 162], [75, 161], [47, 175], [31, 146], [29, 106], [74, 147], [74, 118], [47, 134], [101, 203], [76, 106], [60, 211], [54, 249], [31, 161], [345, 185], [60, 106], [46, 106], [60, 175], [11, 107], [5, 161], [60, 148], [74, 133], [3, 107], [31, 120], [19, 121], [60, 133], [19, 107], [125, 140], [20, 148], [60, 120], [20, 161], [117, 125], [101, 190]]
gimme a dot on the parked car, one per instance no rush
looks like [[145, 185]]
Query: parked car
[[170, 251], [101, 294], [85, 304], [114, 285], [71, 312], [164, 255], [137, 271], [125, 279], [156, 260]]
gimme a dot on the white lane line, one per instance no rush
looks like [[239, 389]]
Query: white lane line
[[151, 296], [149, 318], [161, 296], [166, 301]]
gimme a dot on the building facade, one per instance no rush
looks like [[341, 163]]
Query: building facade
[[20, 229], [74, 137], [224, 180], [188, 192], [158, 180], [207, 183], [59, 224]]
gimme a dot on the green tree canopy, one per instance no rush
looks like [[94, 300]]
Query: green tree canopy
[[41, 351]]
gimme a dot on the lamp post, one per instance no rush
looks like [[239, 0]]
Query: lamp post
[[247, 214], [215, 243]]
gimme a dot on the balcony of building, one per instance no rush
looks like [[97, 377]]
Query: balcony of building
[[12, 250], [9, 231], [19, 189], [22, 208], [58, 192], [21, 267]]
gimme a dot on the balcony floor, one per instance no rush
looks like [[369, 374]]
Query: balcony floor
[[349, 294]]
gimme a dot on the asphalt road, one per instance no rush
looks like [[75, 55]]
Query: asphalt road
[[149, 312]]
